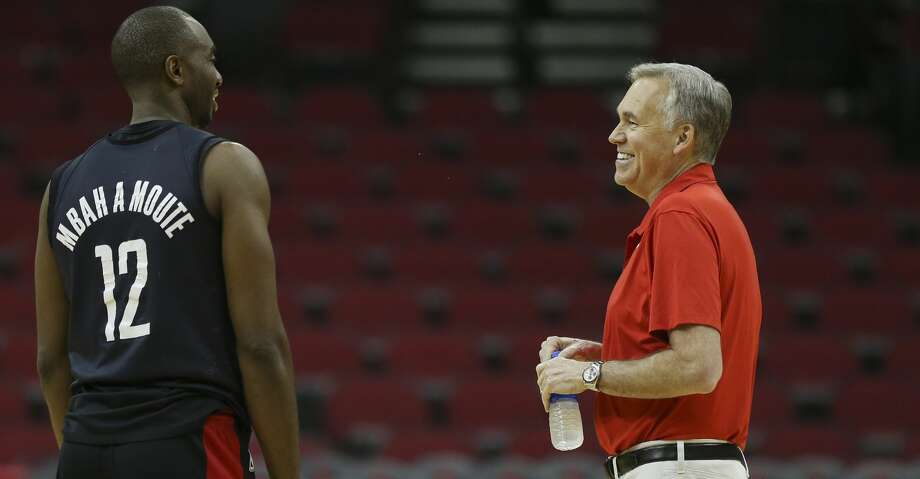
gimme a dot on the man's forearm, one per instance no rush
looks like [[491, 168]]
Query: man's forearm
[[55, 382], [268, 380], [663, 374]]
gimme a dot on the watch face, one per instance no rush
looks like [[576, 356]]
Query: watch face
[[590, 374]]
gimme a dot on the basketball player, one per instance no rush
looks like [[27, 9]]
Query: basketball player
[[160, 344]]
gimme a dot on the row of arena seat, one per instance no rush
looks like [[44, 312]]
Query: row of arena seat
[[434, 301]]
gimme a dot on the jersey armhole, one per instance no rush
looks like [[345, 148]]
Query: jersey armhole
[[53, 185], [198, 170]]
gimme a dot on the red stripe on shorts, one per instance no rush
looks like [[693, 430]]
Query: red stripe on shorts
[[222, 447]]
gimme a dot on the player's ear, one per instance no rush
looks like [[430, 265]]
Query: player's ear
[[686, 137], [173, 70]]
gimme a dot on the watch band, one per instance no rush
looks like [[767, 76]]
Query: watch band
[[600, 368]]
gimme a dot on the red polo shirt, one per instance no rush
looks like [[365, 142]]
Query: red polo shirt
[[690, 261]]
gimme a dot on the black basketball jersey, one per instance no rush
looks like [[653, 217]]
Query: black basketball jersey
[[151, 345]]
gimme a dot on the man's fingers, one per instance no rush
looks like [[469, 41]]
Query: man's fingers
[[542, 380], [547, 347], [570, 352]]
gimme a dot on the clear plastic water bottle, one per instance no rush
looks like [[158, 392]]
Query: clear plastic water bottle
[[565, 421]]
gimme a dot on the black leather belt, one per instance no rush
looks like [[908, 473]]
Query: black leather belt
[[693, 451]]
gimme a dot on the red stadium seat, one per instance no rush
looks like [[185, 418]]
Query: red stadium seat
[[868, 311], [749, 147], [495, 309], [497, 403], [701, 33], [436, 182], [108, 108], [317, 263], [413, 444], [573, 109], [904, 361], [373, 310], [18, 307], [799, 267], [452, 108], [518, 146], [70, 141], [771, 403], [879, 404], [12, 401], [846, 146], [29, 106], [806, 357], [385, 402], [435, 354], [386, 146], [782, 109], [608, 226], [801, 185], [492, 224], [564, 185], [277, 146], [854, 228], [352, 27], [338, 106], [329, 182], [243, 106], [787, 441], [14, 471], [26, 443], [900, 266], [18, 356], [324, 353], [439, 263], [288, 220], [589, 307], [551, 264], [377, 224]]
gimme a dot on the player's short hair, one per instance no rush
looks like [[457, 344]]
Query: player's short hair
[[145, 39], [695, 97]]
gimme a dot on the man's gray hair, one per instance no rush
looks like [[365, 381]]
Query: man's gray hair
[[695, 97]]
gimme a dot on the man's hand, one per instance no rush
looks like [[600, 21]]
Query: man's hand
[[560, 376], [571, 348]]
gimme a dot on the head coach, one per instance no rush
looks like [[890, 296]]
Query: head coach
[[675, 370]]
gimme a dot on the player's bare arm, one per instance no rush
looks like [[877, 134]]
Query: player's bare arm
[[236, 190], [51, 311], [692, 365]]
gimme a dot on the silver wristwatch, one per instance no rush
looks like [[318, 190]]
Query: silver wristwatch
[[592, 374]]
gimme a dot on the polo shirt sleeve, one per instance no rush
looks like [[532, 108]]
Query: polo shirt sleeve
[[684, 274]]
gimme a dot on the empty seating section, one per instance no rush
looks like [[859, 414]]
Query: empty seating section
[[425, 250]]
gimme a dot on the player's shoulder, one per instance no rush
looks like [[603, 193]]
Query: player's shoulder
[[230, 162], [234, 150], [232, 156]]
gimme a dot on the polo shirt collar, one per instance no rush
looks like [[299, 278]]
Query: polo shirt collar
[[700, 173]]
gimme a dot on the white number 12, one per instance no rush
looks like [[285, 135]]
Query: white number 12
[[126, 329]]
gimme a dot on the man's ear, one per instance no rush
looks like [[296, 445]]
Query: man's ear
[[686, 138], [173, 70]]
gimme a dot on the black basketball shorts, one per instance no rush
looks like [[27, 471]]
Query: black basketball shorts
[[218, 451]]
